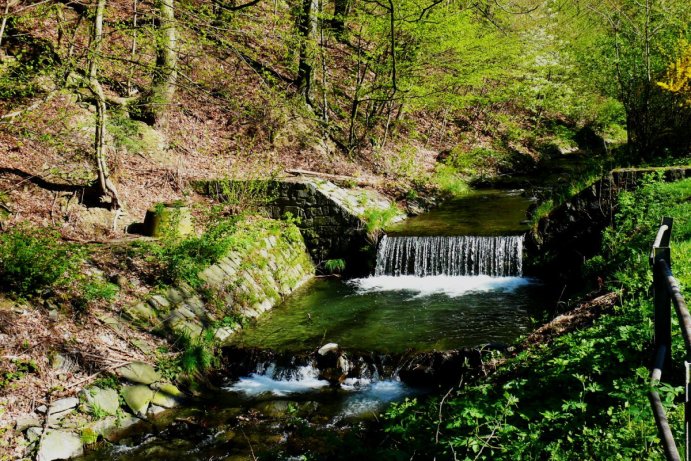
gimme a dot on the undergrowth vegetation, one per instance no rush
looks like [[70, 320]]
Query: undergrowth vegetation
[[34, 259], [582, 396]]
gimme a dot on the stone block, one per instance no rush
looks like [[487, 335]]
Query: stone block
[[214, 276], [229, 270], [186, 327], [159, 302], [175, 296], [184, 312], [24, 422], [63, 405], [139, 312]]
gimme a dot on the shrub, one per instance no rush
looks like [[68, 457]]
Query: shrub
[[199, 354], [181, 260], [34, 259], [90, 290], [449, 181], [334, 266], [377, 219]]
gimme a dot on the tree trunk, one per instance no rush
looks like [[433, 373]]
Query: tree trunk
[[307, 30], [106, 185], [155, 106], [5, 15], [341, 10]]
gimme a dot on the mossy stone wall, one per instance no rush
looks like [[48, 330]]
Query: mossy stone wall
[[572, 232], [242, 285], [332, 218]]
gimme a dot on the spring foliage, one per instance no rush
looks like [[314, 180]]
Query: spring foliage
[[678, 77]]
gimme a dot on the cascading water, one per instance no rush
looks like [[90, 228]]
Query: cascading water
[[452, 256]]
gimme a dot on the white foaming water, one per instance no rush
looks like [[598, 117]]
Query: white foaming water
[[304, 380], [500, 256], [368, 395], [451, 286], [372, 397]]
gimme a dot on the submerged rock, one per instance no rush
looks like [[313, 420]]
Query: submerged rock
[[277, 408], [328, 348], [333, 365]]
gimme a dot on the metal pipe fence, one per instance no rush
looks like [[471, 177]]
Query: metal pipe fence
[[666, 293]]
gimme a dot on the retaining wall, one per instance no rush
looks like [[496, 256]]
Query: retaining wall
[[332, 219], [572, 232], [245, 283]]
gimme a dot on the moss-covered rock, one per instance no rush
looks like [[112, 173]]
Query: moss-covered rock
[[139, 372], [138, 398]]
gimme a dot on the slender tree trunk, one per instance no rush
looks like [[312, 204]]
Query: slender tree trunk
[[133, 51], [324, 67], [392, 38], [359, 79], [166, 73], [307, 29], [106, 185], [5, 15], [341, 11]]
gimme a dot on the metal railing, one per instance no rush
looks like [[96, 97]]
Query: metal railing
[[666, 293]]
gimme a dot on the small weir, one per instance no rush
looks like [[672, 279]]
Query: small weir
[[454, 256]]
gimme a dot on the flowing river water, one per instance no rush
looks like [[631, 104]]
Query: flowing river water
[[447, 280]]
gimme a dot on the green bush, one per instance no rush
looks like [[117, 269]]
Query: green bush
[[199, 354], [181, 260], [34, 259], [90, 290], [449, 181]]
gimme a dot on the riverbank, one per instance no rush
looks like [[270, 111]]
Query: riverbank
[[129, 322]]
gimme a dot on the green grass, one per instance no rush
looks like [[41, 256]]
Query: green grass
[[584, 395]]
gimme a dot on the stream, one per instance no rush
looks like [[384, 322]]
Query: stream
[[309, 375]]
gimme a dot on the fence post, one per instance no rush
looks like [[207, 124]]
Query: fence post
[[663, 308], [687, 410], [661, 297]]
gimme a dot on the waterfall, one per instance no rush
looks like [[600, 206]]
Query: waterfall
[[456, 256]]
